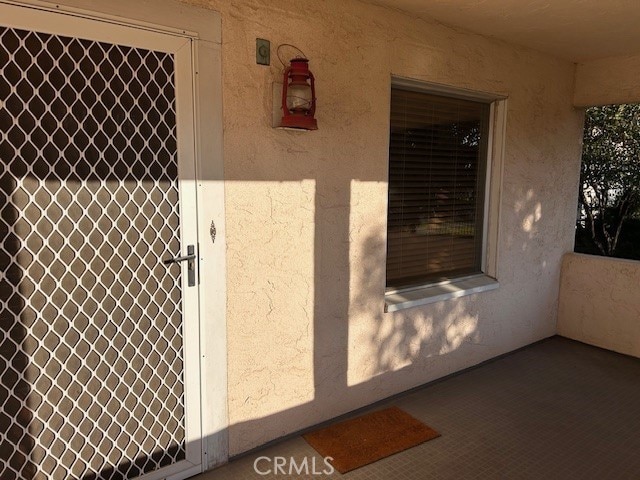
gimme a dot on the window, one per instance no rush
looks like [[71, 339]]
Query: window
[[438, 196]]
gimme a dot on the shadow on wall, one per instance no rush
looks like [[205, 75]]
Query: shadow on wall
[[387, 351], [528, 212], [401, 339], [392, 347], [397, 340], [354, 365]]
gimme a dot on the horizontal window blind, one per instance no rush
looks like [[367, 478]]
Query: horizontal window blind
[[437, 172]]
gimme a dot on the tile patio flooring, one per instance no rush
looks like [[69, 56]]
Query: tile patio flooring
[[555, 410]]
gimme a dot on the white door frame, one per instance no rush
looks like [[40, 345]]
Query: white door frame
[[202, 29]]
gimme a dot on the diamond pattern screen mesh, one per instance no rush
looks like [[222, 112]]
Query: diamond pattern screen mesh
[[91, 355]]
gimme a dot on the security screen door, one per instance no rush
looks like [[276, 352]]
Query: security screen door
[[99, 346]]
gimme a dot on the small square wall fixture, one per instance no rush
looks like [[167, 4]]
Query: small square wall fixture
[[297, 98]]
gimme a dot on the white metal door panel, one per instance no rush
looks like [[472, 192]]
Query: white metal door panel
[[99, 351]]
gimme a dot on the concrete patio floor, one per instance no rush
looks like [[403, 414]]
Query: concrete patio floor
[[557, 409]]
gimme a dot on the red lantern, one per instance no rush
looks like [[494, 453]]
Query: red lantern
[[299, 96]]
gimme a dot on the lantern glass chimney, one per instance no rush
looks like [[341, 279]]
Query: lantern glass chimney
[[299, 97]]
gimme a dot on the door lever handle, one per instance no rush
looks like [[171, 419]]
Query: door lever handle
[[190, 258], [184, 258]]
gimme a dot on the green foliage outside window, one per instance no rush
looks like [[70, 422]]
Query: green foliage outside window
[[609, 200]]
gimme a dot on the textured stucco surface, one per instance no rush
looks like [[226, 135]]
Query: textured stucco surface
[[306, 212], [599, 302], [576, 30], [608, 81]]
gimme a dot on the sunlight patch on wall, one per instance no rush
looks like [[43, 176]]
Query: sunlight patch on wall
[[270, 245], [531, 219], [460, 328]]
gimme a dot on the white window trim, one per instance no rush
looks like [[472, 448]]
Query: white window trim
[[399, 299], [436, 292]]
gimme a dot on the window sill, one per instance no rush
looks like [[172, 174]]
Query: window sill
[[414, 297]]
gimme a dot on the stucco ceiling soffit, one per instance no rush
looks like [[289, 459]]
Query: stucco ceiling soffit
[[575, 30]]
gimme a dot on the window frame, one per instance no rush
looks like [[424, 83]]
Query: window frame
[[430, 292]]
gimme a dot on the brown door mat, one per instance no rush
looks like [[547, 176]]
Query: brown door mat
[[366, 439]]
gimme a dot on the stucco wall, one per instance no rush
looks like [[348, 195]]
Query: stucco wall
[[306, 212], [608, 81], [599, 302]]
